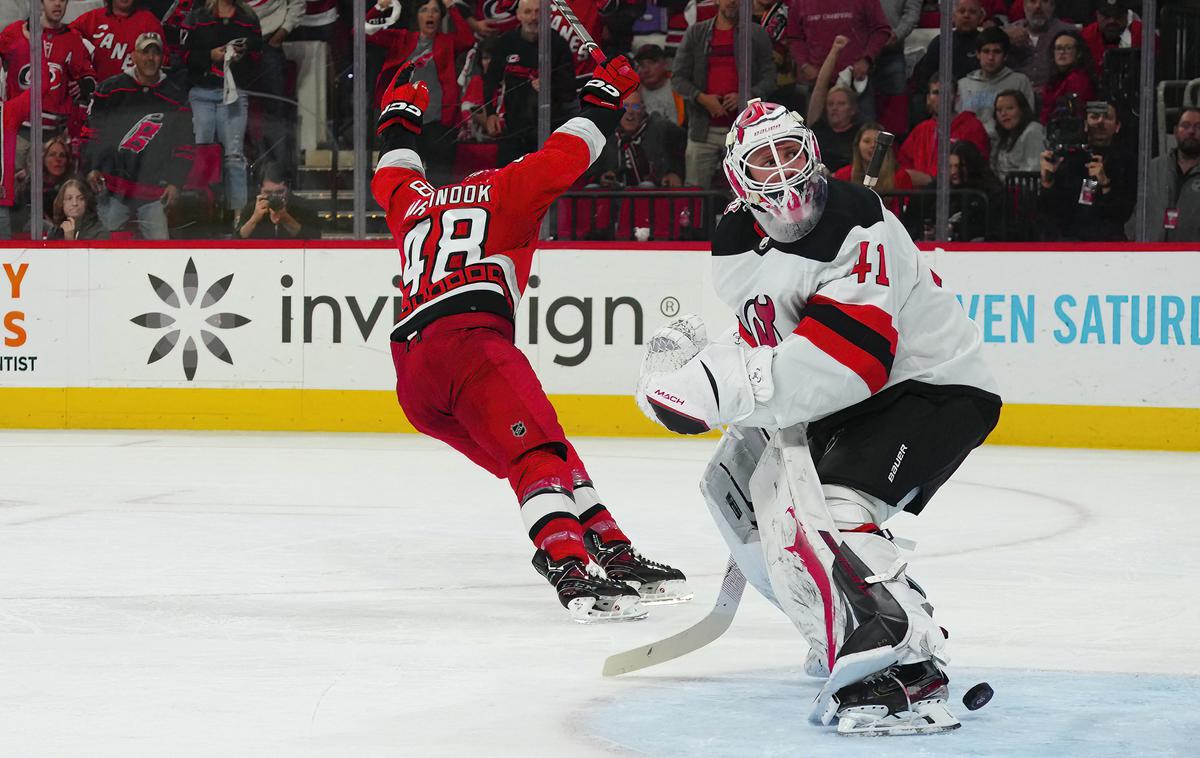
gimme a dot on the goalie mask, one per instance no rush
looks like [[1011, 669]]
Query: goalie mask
[[773, 164]]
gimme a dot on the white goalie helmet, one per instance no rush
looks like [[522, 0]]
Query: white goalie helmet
[[773, 164]]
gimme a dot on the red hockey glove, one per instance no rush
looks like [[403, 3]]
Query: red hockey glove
[[404, 103], [610, 84]]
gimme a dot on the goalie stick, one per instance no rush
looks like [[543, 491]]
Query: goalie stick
[[693, 638]]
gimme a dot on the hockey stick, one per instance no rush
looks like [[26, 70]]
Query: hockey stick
[[693, 638], [589, 45], [883, 141]]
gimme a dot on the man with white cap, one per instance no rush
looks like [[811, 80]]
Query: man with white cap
[[139, 138]]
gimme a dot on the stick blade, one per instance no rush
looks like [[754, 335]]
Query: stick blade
[[693, 638]]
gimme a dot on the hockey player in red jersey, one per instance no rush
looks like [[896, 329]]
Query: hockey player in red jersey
[[465, 252], [856, 387]]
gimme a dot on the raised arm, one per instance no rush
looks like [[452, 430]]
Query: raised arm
[[816, 102]]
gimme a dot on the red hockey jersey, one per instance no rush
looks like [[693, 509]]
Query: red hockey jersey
[[110, 38], [65, 60], [467, 247]]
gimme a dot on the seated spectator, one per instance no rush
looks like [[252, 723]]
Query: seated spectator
[[1032, 40], [706, 76], [512, 118], [277, 214], [657, 94], [436, 142], [135, 154], [814, 24], [56, 169], [645, 151], [1019, 138], [222, 39], [1088, 190], [891, 176], [1174, 185], [74, 214], [110, 33], [1072, 75], [919, 152], [1114, 28], [968, 16], [973, 217], [833, 113], [977, 90]]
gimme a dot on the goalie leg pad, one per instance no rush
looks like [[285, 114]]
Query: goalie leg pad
[[726, 490], [846, 592]]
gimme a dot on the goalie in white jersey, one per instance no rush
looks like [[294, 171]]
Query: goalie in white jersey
[[854, 388]]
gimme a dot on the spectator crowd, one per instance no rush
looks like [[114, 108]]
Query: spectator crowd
[[179, 119]]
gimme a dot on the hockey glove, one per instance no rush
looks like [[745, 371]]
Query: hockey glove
[[403, 103], [718, 386], [610, 84]]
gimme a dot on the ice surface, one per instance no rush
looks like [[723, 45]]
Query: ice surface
[[370, 595]]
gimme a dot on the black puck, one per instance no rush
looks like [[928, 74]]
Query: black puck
[[978, 696]]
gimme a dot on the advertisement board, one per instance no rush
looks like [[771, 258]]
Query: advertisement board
[[1085, 341]]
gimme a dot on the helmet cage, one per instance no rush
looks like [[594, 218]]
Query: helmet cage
[[787, 193]]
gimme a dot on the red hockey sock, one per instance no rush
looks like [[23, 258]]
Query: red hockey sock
[[548, 513], [595, 516]]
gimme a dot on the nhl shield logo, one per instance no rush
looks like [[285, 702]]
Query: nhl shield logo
[[518, 429]]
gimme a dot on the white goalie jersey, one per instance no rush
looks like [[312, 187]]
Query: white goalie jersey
[[849, 309]]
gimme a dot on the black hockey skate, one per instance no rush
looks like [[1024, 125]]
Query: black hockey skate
[[657, 583], [909, 699], [586, 593]]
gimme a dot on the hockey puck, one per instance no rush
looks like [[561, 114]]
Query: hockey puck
[[978, 696]]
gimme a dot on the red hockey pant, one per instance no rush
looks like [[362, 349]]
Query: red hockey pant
[[464, 382]]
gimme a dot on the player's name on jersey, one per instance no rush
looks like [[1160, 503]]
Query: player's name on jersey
[[458, 194]]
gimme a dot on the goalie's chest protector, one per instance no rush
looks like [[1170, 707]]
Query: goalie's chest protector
[[767, 283]]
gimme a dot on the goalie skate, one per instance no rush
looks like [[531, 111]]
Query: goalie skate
[[586, 592], [656, 583], [900, 700]]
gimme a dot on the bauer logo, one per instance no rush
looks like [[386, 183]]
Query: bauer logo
[[189, 321]]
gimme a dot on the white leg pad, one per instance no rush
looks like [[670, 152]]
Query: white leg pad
[[846, 592], [726, 490]]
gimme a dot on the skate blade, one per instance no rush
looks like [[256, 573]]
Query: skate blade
[[670, 592], [584, 611], [927, 717]]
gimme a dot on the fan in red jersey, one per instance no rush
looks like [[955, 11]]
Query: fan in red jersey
[[110, 32], [66, 64], [465, 252]]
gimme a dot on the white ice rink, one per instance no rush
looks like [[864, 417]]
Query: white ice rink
[[181, 594]]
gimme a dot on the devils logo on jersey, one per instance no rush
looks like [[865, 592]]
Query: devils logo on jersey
[[759, 317], [143, 132]]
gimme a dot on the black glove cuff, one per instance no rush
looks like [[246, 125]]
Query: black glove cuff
[[604, 119], [396, 137]]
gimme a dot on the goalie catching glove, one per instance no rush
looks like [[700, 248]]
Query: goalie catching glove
[[403, 103], [610, 84], [691, 386]]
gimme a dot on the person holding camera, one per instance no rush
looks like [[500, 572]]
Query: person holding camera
[[1089, 181], [223, 39], [277, 214]]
